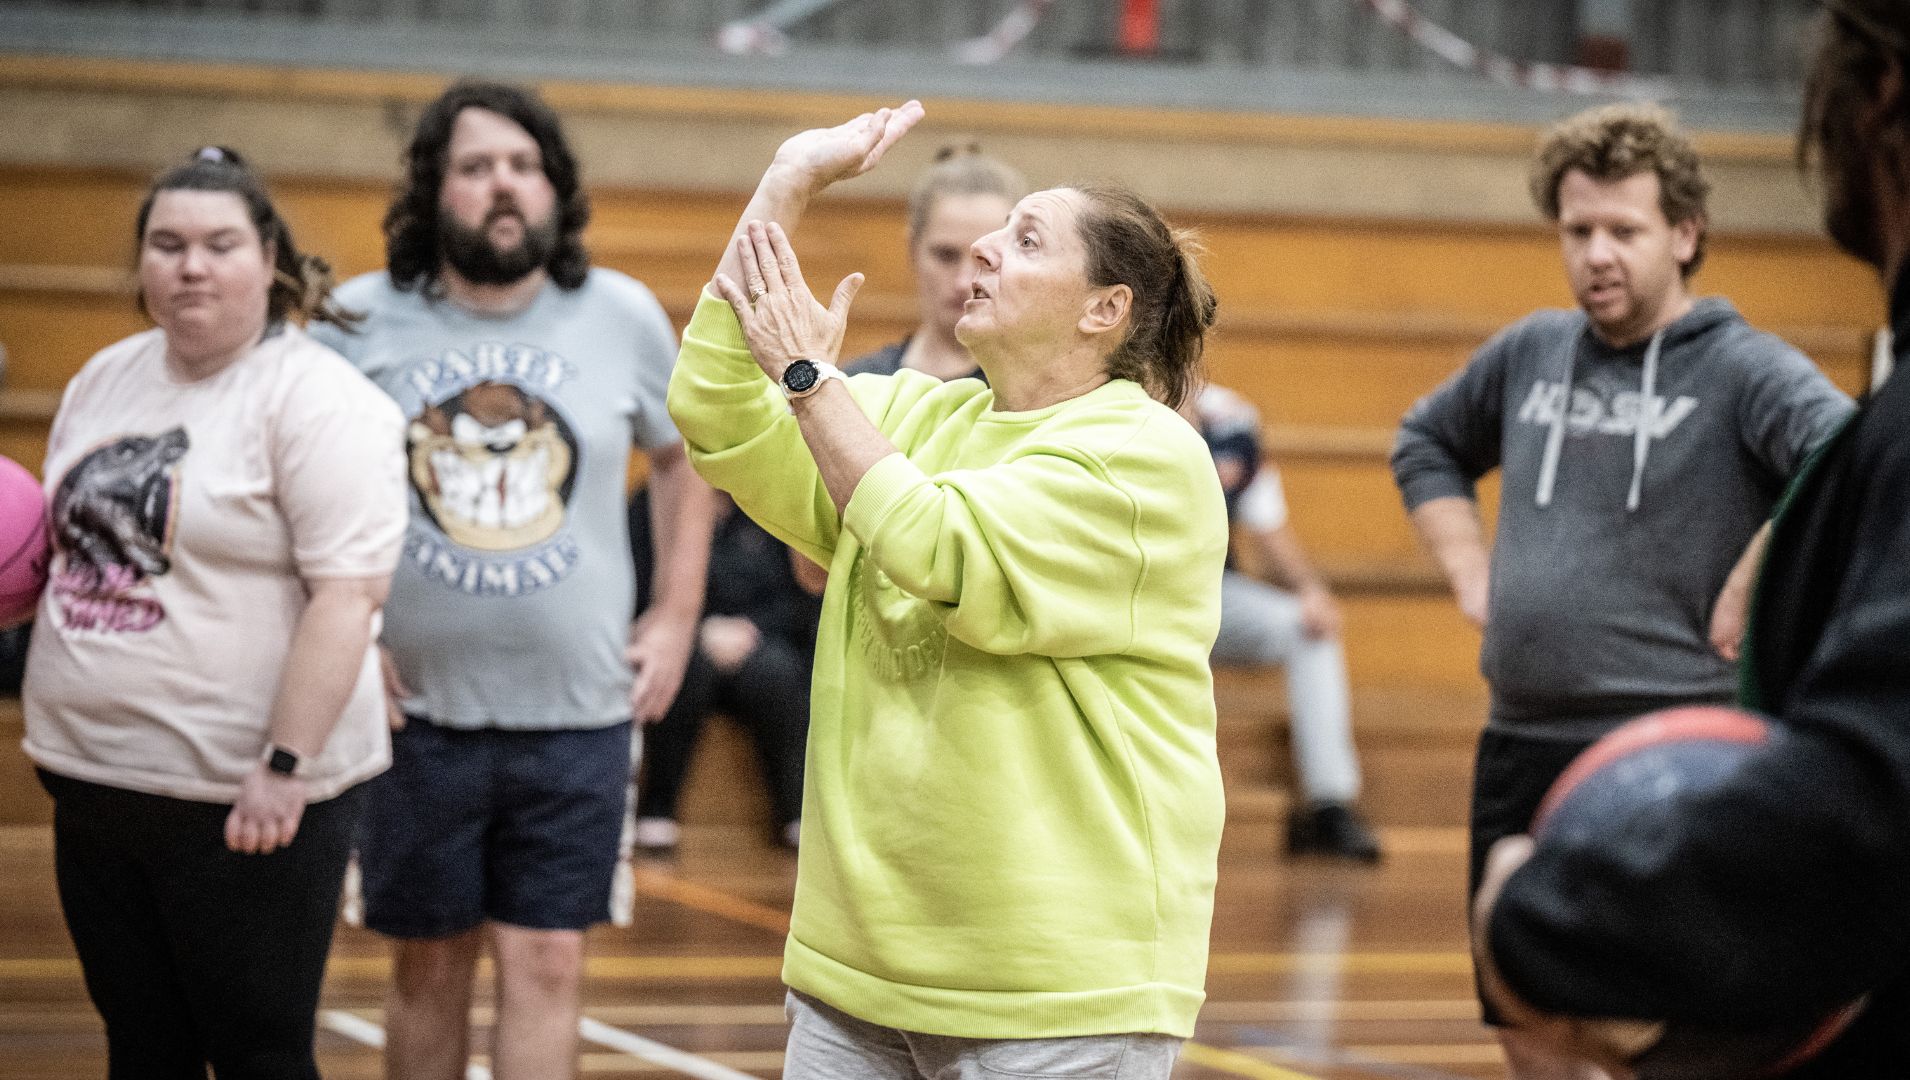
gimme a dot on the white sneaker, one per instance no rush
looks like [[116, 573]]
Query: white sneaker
[[792, 834], [656, 834]]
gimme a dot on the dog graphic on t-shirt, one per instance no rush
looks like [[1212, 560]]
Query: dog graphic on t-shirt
[[113, 518]]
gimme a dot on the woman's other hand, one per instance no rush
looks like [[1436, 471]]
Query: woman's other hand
[[782, 320], [266, 816]]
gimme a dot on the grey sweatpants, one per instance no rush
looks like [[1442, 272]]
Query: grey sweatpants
[[1260, 626], [828, 1044]]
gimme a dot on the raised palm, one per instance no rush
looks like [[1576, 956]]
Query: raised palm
[[826, 155]]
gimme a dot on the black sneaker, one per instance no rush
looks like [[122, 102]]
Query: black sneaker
[[1332, 829]]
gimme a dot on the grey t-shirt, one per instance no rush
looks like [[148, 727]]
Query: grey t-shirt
[[511, 606], [1599, 610]]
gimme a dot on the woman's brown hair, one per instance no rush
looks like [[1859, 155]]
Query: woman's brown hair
[[1173, 306], [301, 283]]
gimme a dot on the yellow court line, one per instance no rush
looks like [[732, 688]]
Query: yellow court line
[[710, 900], [1237, 1063], [1435, 1054]]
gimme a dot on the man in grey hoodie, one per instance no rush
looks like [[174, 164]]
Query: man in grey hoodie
[[1642, 439]]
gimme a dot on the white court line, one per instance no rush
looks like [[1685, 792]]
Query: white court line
[[656, 1053], [353, 1027], [360, 1030]]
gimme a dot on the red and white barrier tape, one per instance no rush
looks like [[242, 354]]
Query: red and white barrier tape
[[1459, 52], [1011, 31], [765, 33]]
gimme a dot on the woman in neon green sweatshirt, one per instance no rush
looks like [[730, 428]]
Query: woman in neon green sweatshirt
[[1013, 808]]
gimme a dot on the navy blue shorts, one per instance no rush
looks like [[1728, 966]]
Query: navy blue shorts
[[520, 827]]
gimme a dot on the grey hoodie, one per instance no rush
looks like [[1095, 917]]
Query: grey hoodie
[[1612, 544]]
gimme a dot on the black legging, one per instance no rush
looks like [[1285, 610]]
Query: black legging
[[196, 955], [768, 695]]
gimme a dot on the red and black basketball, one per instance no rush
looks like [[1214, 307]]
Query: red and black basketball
[[1619, 787]]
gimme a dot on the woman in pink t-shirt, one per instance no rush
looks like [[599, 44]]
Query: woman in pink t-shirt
[[202, 693]]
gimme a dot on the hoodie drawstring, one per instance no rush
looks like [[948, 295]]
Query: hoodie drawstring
[[1641, 438], [1555, 437], [1647, 419]]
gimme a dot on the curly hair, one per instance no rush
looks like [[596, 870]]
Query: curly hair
[[1614, 142], [413, 253], [301, 283]]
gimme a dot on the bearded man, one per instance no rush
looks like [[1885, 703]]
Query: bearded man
[[513, 665]]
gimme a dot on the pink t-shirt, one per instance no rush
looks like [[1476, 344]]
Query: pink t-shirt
[[187, 518]]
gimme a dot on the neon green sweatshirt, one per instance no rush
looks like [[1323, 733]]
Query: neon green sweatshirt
[[1012, 811]]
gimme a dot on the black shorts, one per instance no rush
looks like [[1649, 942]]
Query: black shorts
[[1510, 777], [520, 827]]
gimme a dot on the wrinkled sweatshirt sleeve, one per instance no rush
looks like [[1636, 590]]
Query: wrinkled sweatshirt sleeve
[[742, 438], [1047, 552], [1778, 894], [1788, 408], [1450, 437]]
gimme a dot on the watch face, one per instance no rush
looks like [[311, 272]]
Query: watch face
[[800, 376], [282, 761]]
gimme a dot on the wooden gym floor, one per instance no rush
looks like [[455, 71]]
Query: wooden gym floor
[[1319, 970]]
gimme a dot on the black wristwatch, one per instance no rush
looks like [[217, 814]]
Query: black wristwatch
[[282, 761], [804, 377]]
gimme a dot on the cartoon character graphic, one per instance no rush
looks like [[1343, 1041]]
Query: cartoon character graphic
[[113, 521], [493, 465]]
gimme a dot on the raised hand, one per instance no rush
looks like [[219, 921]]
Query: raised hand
[[807, 163], [822, 156]]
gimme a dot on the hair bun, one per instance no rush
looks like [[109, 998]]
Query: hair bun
[[219, 155]]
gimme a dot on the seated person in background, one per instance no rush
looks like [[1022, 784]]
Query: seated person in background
[[754, 650], [1288, 619]]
